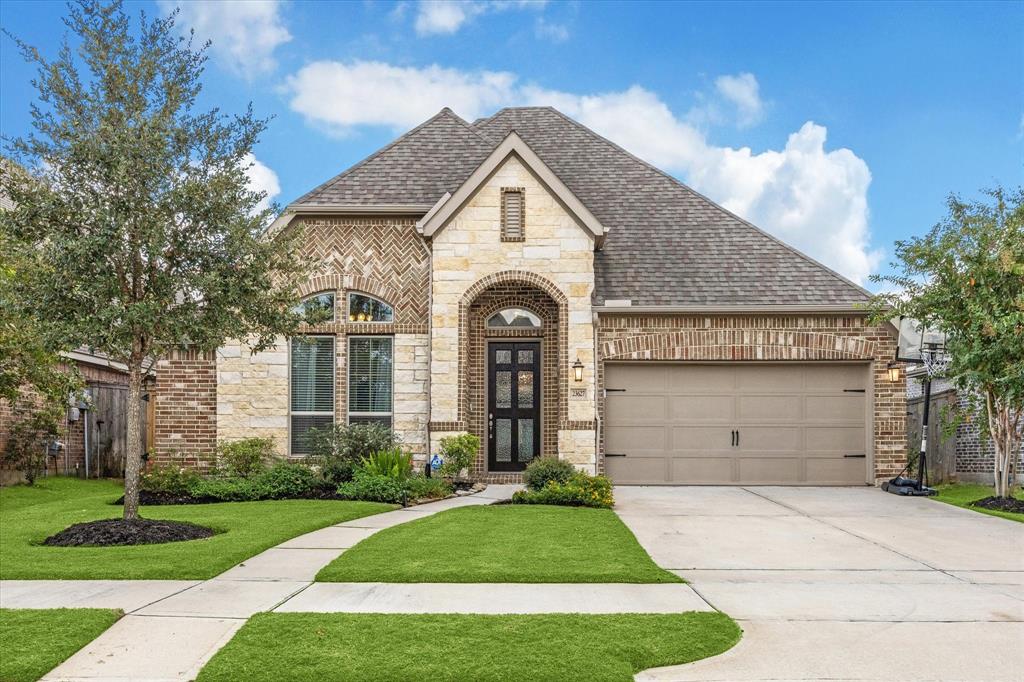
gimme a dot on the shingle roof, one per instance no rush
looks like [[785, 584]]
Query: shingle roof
[[666, 244], [418, 168]]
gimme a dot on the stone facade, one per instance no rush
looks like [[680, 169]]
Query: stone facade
[[382, 257], [774, 338], [475, 272]]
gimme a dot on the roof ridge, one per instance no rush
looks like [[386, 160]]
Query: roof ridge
[[689, 189], [468, 126], [401, 138]]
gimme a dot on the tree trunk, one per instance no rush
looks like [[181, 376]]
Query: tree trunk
[[1004, 430], [133, 453]]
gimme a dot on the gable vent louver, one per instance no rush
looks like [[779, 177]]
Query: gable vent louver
[[512, 214]]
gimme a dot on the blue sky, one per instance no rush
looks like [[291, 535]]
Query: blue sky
[[837, 127]]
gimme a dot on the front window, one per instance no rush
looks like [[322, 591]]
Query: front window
[[363, 308], [317, 308], [370, 365], [312, 389], [513, 318]]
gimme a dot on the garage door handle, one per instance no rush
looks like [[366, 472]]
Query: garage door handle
[[854, 456], [614, 454], [854, 390], [614, 390]]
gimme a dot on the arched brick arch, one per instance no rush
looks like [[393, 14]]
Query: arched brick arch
[[739, 344], [340, 283], [488, 295]]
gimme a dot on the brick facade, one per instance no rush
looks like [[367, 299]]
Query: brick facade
[[383, 257], [72, 433], [186, 407], [769, 338]]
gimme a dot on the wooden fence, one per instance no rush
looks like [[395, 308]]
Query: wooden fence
[[941, 449], [108, 429]]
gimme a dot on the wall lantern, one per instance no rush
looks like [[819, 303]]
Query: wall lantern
[[893, 368], [577, 370]]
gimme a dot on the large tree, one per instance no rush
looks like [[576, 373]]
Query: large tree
[[966, 278], [140, 203]]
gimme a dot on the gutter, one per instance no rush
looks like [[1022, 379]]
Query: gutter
[[728, 309], [345, 209]]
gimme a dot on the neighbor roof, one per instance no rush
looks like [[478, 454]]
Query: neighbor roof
[[666, 244]]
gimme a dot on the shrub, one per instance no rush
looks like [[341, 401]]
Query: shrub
[[349, 442], [393, 463], [285, 480], [336, 472], [337, 449], [541, 471], [373, 488], [581, 491], [245, 457], [422, 488], [172, 479], [458, 453], [225, 489]]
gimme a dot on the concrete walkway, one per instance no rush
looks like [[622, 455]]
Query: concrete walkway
[[841, 583], [172, 628]]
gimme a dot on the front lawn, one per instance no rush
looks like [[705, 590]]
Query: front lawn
[[35, 641], [502, 544], [29, 514], [341, 646], [963, 494]]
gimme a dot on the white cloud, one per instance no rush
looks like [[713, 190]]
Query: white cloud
[[742, 90], [262, 179], [548, 30], [809, 196], [340, 96], [244, 33], [445, 17]]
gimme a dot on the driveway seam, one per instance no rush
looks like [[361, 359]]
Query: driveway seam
[[859, 537]]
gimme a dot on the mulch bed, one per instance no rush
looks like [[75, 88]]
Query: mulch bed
[[112, 532], [1006, 504]]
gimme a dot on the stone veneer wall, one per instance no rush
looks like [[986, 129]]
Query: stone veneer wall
[[186, 408], [383, 257], [769, 338], [555, 257]]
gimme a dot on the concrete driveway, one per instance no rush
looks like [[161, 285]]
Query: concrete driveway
[[841, 583]]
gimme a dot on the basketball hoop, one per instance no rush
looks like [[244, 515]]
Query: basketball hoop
[[919, 345]]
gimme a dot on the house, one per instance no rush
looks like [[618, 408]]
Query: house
[[524, 279], [92, 435]]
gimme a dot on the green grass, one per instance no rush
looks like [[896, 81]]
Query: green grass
[[503, 543], [35, 641], [962, 494], [29, 514], [343, 646]]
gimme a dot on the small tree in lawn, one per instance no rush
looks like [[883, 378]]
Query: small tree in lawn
[[966, 278], [140, 203]]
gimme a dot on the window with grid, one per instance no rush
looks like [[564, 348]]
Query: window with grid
[[370, 373], [312, 389], [512, 214]]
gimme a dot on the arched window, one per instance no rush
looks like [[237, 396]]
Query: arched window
[[513, 318], [317, 308], [363, 308]]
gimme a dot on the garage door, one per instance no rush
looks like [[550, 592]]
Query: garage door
[[787, 424]]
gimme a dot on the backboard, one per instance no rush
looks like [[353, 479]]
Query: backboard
[[914, 337]]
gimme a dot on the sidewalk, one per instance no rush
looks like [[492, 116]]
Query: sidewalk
[[172, 628]]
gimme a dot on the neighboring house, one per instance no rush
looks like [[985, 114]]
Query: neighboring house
[[974, 456], [526, 280], [101, 425]]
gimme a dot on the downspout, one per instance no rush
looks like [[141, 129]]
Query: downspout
[[597, 409], [430, 346]]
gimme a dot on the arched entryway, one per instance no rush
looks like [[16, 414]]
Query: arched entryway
[[514, 380]]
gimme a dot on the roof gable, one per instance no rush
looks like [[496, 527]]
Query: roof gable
[[511, 145]]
